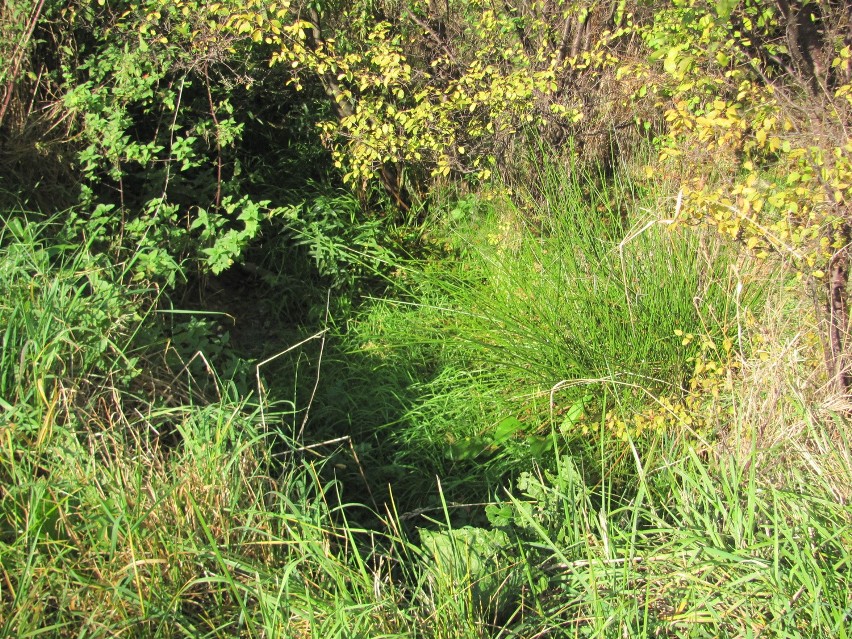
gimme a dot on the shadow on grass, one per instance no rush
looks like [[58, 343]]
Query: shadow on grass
[[357, 404]]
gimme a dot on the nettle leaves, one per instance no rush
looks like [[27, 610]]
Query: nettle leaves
[[158, 121], [226, 232]]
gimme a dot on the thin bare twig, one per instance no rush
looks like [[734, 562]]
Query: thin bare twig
[[218, 137], [319, 368], [260, 387], [18, 56]]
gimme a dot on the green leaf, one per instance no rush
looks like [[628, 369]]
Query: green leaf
[[499, 515], [724, 8], [574, 414], [468, 558], [468, 448], [540, 445], [671, 63], [506, 428]]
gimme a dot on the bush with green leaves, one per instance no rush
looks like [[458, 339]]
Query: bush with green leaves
[[157, 129], [164, 125]]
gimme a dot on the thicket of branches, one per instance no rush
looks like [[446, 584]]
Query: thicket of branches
[[164, 122]]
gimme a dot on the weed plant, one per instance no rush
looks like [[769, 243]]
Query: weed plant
[[704, 548], [109, 527]]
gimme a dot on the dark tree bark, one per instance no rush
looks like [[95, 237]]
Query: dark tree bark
[[838, 319]]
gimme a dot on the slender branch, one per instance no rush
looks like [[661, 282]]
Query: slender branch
[[319, 369], [218, 139], [436, 37], [17, 57]]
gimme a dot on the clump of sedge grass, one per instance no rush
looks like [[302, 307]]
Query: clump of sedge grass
[[567, 306]]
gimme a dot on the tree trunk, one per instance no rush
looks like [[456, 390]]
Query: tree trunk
[[838, 321], [389, 175]]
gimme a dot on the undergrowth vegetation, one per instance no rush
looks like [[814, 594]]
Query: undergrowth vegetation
[[547, 321], [418, 319], [445, 478]]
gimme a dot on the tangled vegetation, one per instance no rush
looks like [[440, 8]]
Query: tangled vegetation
[[425, 318]]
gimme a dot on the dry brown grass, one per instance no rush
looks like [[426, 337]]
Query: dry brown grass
[[785, 417]]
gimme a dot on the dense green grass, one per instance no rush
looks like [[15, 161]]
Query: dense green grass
[[568, 298], [133, 504]]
